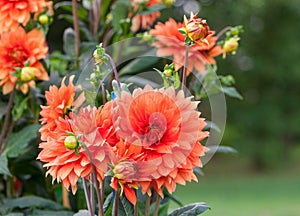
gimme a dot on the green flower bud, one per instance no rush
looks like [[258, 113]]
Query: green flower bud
[[28, 73], [71, 142]]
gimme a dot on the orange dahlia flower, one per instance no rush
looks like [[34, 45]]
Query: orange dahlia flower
[[15, 12], [63, 163], [143, 21], [59, 101], [164, 130], [170, 42], [17, 47]]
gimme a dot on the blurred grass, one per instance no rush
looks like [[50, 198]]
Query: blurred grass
[[232, 188]]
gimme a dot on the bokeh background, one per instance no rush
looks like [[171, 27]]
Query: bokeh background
[[264, 177]]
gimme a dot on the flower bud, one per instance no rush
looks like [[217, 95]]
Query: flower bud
[[230, 46], [28, 73], [196, 29], [71, 142], [125, 170], [43, 19], [168, 72], [168, 2]]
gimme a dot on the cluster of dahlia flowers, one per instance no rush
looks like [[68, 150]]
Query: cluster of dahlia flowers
[[21, 51], [147, 139]]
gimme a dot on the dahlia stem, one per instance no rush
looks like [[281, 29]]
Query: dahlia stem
[[136, 210], [157, 204], [92, 192], [223, 31], [7, 117], [95, 16], [5, 142], [76, 29], [115, 72], [116, 204], [147, 207], [186, 58], [87, 197], [99, 197]]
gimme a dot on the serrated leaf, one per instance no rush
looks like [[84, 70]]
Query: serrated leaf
[[232, 92], [31, 201], [19, 141], [193, 209], [222, 149], [4, 165]]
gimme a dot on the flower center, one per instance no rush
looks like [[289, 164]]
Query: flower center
[[154, 131], [18, 56]]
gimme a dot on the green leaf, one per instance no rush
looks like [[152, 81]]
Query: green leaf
[[3, 165], [31, 201], [125, 207], [19, 141], [90, 97], [69, 42], [15, 214], [153, 9], [119, 12], [3, 108], [108, 205], [37, 212], [19, 109], [222, 149], [82, 213], [232, 92], [193, 209]]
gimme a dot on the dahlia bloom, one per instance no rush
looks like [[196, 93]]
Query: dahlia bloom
[[143, 21], [59, 101], [64, 164], [163, 131], [170, 42], [17, 47], [13, 13]]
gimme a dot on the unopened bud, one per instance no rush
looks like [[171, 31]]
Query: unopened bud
[[230, 46], [43, 19], [168, 2], [168, 72], [71, 142], [28, 73], [125, 170]]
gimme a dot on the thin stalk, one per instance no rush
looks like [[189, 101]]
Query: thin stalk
[[11, 127], [157, 204], [147, 207], [103, 93], [7, 117], [223, 31], [95, 16], [115, 71], [99, 197], [87, 197], [92, 193], [186, 58], [116, 204], [76, 29], [136, 210]]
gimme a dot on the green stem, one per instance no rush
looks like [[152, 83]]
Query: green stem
[[157, 204], [76, 29], [186, 58], [147, 207], [223, 31], [99, 197], [11, 127], [136, 210]]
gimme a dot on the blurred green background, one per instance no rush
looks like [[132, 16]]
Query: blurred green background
[[263, 179]]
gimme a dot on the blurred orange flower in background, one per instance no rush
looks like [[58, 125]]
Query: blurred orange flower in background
[[170, 42], [17, 47], [143, 21], [15, 12]]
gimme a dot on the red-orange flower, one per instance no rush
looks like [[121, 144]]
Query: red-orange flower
[[164, 130], [15, 12], [170, 42], [143, 21], [64, 164], [17, 47], [59, 100]]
